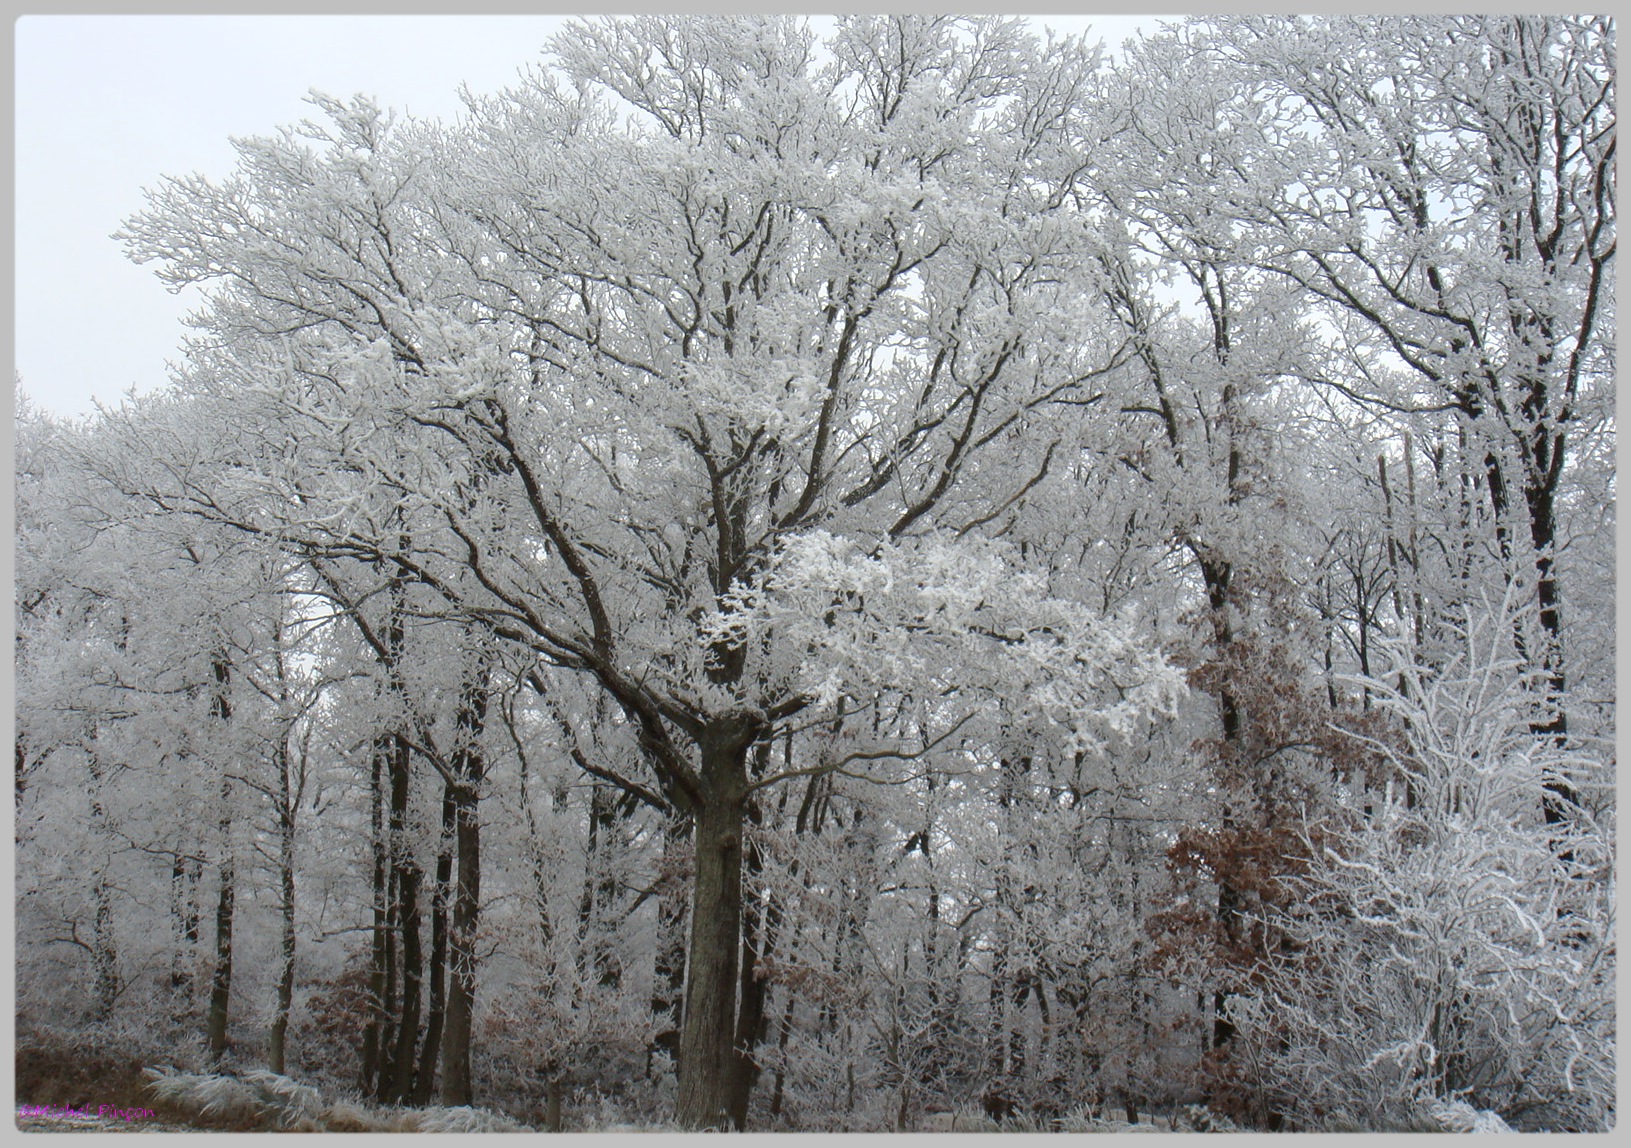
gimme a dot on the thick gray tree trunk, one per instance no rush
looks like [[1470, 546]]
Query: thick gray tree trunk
[[707, 1062]]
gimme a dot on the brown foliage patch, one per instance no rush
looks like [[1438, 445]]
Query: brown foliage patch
[[80, 1072]]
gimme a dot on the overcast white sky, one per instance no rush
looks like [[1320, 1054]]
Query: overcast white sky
[[108, 104]]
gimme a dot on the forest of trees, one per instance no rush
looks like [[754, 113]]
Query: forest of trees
[[794, 582]]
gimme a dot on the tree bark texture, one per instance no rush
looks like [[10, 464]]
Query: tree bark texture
[[470, 770], [461, 993], [431, 1051], [221, 979], [184, 878], [707, 1036], [380, 981], [286, 889], [401, 1031]]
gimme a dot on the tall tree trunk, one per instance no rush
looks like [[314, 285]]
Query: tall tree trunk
[[285, 982], [221, 980], [397, 1054], [598, 959], [403, 1047], [461, 995], [784, 1029], [104, 951], [1560, 795], [291, 789], [103, 947], [470, 766], [387, 790], [431, 1051], [381, 980], [1216, 574], [538, 870], [707, 1035]]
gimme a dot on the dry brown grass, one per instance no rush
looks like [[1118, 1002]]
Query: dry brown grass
[[53, 1069]]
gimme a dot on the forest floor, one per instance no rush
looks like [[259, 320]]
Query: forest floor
[[54, 1071]]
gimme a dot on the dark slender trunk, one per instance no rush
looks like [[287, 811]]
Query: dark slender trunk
[[221, 979], [1044, 1032], [104, 951], [413, 973], [784, 1029], [470, 765], [707, 1036], [538, 870], [1228, 910], [598, 959], [1018, 1045], [995, 1006], [431, 1050], [397, 1053], [1560, 795], [285, 982], [388, 789], [381, 982], [1217, 575], [461, 994]]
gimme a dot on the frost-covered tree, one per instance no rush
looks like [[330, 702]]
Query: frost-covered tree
[[689, 352], [1436, 951], [1446, 190], [653, 594], [140, 639]]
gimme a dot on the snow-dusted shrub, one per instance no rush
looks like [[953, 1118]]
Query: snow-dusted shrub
[[287, 1101], [349, 1116], [225, 1099], [1450, 951], [466, 1119], [1459, 1116], [267, 1101]]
